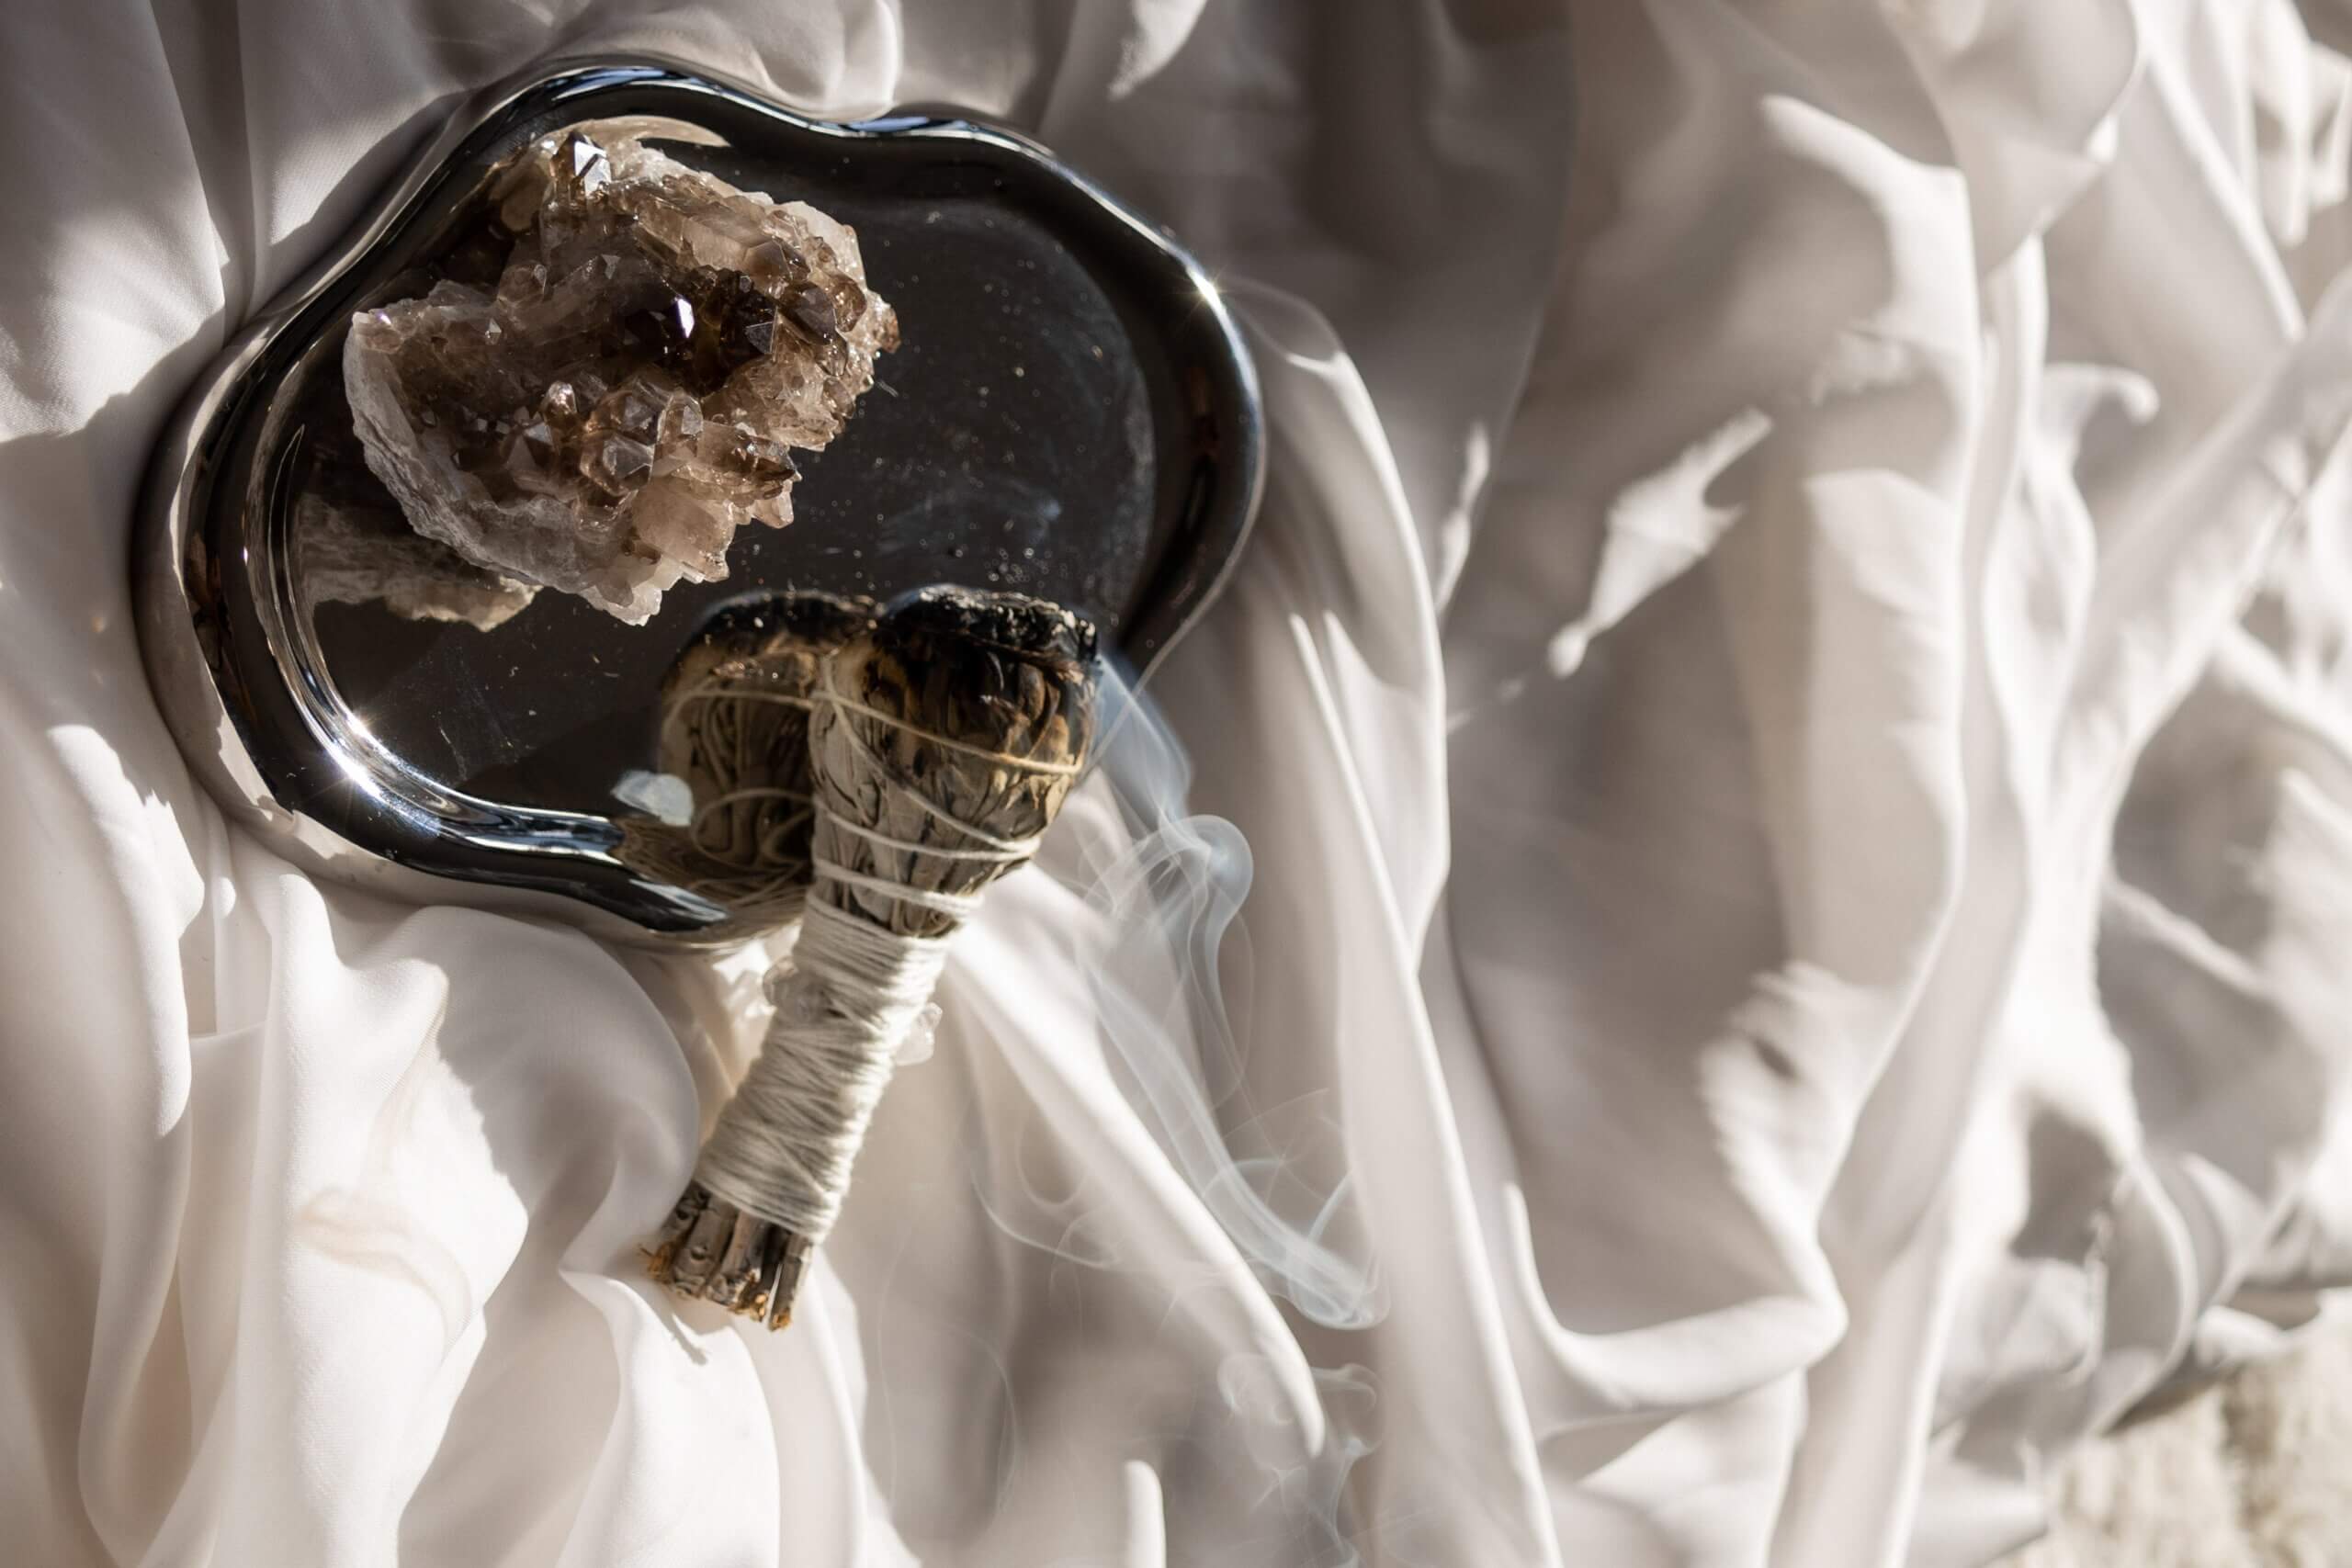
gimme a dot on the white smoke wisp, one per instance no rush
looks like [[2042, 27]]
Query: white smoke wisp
[[1301, 1479], [1167, 888]]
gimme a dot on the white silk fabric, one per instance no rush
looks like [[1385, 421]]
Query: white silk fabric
[[1743, 937]]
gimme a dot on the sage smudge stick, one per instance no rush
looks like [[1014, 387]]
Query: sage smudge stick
[[942, 741]]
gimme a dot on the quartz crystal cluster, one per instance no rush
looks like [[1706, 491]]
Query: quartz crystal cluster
[[629, 392]]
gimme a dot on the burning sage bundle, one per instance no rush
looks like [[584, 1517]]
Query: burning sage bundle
[[942, 740]]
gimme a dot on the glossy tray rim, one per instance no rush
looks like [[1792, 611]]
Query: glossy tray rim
[[232, 665]]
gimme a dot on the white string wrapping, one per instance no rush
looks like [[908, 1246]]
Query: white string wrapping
[[851, 994], [847, 1000]]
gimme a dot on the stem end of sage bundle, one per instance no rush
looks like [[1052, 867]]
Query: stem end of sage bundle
[[710, 1250]]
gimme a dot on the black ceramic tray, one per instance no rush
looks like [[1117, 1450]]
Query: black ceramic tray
[[1071, 414]]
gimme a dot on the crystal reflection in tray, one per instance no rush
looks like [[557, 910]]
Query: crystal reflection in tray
[[1068, 414]]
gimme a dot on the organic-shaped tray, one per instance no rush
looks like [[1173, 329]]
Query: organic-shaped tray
[[1071, 414]]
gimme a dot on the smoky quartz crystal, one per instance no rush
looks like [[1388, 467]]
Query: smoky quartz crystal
[[601, 409]]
